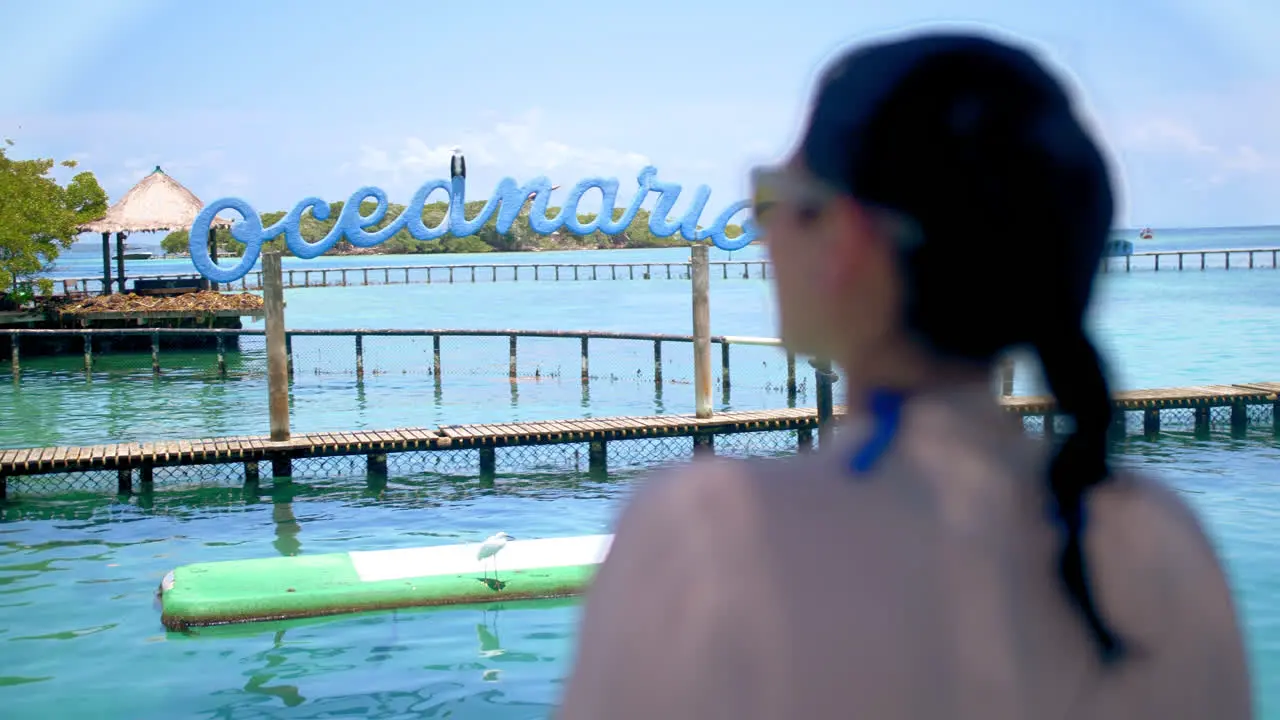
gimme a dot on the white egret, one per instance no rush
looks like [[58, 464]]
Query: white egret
[[490, 548]]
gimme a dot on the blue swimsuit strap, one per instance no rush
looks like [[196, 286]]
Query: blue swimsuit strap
[[886, 414]]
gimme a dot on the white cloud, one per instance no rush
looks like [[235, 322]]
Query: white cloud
[[1164, 134], [1171, 137], [521, 146]]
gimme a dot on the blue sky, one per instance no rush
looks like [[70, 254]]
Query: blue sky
[[274, 101]]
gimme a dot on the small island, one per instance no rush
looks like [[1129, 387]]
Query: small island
[[520, 239]]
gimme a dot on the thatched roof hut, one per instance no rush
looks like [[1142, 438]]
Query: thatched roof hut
[[157, 203]]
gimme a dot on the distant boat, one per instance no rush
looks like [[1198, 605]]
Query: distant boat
[[138, 255], [1146, 234]]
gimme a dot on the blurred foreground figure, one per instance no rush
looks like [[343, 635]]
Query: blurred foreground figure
[[932, 561]]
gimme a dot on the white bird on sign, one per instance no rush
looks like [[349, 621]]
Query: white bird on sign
[[457, 164], [490, 548]]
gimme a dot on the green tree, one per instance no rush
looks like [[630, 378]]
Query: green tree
[[40, 218], [178, 243]]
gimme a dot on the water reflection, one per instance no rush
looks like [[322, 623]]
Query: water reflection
[[274, 658], [424, 669], [287, 526]]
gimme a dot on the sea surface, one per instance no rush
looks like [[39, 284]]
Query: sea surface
[[79, 629]]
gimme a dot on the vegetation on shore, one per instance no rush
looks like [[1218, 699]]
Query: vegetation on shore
[[488, 239], [38, 220]]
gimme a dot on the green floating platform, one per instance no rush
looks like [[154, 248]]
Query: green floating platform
[[281, 588]]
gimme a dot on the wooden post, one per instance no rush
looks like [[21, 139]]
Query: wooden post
[[1151, 422], [277, 356], [120, 261], [657, 363], [359, 356], [1239, 418], [15, 351], [155, 353], [825, 378], [88, 354], [213, 256], [597, 457], [1202, 421], [804, 440], [700, 273], [435, 362], [106, 263], [511, 369], [222, 355], [724, 367], [704, 444], [586, 362], [791, 379]]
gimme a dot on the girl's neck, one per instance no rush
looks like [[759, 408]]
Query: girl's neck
[[909, 371]]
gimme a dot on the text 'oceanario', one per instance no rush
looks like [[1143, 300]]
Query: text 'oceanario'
[[507, 201]]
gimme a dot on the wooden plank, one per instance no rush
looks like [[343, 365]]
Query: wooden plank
[[1266, 387], [60, 456], [422, 434], [546, 428]]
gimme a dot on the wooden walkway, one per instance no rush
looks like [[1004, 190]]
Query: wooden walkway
[[597, 432], [1157, 260]]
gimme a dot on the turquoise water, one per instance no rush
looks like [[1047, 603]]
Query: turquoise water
[[78, 626]]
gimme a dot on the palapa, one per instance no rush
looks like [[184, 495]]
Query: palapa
[[158, 202]]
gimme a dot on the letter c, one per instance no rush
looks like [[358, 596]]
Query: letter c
[[247, 231]]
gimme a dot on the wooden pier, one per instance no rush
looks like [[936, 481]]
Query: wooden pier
[[1193, 259], [1162, 260], [465, 273], [137, 461]]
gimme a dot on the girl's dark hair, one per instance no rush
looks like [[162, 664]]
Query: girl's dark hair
[[1010, 200]]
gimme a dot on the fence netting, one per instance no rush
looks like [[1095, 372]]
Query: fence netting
[[142, 387], [512, 464]]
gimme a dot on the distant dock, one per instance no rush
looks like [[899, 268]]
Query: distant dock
[[1157, 261]]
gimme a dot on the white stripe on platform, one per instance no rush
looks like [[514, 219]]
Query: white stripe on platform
[[376, 565]]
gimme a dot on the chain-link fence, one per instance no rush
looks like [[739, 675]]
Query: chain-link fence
[[1249, 418], [534, 465], [426, 469], [73, 387]]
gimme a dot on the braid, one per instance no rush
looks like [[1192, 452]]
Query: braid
[[1074, 374]]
